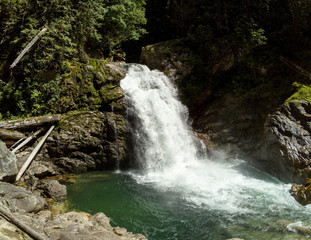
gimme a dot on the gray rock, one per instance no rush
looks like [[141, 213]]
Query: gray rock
[[8, 167], [52, 189], [80, 226], [18, 199], [41, 169]]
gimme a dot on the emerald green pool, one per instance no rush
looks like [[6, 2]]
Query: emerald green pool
[[168, 213]]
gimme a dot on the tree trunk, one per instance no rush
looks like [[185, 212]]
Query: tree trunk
[[14, 220], [29, 123], [27, 140], [9, 134]]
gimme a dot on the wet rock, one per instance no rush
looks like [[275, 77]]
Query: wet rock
[[231, 125], [285, 150], [8, 167], [18, 199], [52, 189], [302, 193]]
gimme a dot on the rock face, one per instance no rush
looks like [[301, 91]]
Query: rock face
[[169, 57], [285, 148], [8, 167], [88, 141], [231, 125]]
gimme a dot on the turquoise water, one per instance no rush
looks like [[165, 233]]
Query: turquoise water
[[168, 213]]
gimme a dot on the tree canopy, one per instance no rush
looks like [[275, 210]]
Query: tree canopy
[[76, 28]]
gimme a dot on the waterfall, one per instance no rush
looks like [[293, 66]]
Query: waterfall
[[116, 145], [171, 157], [163, 137]]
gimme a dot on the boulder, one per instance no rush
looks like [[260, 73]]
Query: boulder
[[18, 199], [285, 149], [52, 189], [86, 141], [8, 167], [302, 193]]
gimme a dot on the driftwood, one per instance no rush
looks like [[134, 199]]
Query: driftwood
[[10, 134], [27, 140], [33, 154], [14, 220], [29, 123], [16, 143]]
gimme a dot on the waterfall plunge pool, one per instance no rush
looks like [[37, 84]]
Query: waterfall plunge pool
[[246, 204], [180, 193]]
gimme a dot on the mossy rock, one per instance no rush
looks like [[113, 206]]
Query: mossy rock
[[303, 93], [90, 86]]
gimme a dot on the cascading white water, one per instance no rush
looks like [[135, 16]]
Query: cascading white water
[[169, 155], [163, 136]]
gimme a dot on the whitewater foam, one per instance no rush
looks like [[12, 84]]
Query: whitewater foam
[[170, 159]]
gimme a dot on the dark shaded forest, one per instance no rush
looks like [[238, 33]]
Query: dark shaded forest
[[116, 30]]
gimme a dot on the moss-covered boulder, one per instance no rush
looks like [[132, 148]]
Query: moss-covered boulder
[[89, 140], [93, 85]]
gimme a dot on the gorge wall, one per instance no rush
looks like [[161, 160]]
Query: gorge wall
[[255, 122]]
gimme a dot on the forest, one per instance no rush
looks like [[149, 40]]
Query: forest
[[110, 29]]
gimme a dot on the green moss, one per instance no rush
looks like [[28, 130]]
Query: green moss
[[303, 93]]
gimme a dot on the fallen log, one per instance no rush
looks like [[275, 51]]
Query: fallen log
[[33, 154], [14, 220], [30, 122], [10, 134], [27, 140]]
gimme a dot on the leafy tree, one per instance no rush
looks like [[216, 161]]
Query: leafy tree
[[74, 26]]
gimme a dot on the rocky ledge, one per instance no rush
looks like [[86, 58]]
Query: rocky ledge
[[81, 141], [31, 209]]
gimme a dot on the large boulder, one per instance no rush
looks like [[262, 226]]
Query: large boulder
[[52, 189], [86, 141], [8, 167], [285, 149], [18, 199]]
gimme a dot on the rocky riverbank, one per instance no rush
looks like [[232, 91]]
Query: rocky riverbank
[[83, 140], [82, 145]]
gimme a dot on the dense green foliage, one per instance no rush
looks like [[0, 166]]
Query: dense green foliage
[[80, 30], [76, 29]]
